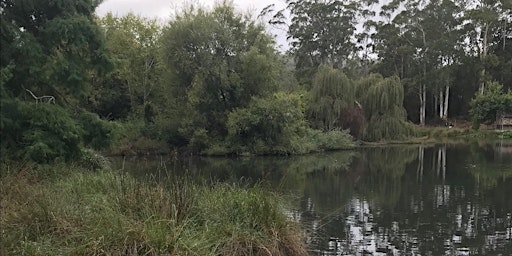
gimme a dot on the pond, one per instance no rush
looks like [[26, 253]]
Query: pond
[[395, 200]]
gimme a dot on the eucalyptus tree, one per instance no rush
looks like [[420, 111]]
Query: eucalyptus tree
[[420, 41], [447, 51], [216, 61], [501, 48], [321, 32], [482, 21]]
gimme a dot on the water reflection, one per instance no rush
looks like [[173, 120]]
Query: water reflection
[[439, 200], [444, 200]]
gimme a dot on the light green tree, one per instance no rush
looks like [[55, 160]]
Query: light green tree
[[331, 94], [382, 101], [216, 61]]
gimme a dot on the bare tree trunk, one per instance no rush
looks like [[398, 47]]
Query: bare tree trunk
[[435, 103], [423, 89], [446, 98], [441, 103], [482, 58], [423, 105]]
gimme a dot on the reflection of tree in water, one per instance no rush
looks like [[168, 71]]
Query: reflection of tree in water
[[489, 165], [437, 208], [383, 168]]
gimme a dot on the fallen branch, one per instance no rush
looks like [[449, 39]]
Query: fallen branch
[[44, 98]]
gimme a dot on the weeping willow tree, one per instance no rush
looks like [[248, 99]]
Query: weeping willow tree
[[331, 94], [382, 100]]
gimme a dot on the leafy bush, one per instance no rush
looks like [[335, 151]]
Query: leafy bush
[[485, 107], [268, 124], [277, 125], [44, 133], [97, 132], [40, 132]]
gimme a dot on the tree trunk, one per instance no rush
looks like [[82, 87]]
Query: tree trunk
[[441, 103], [482, 58], [423, 89], [436, 106], [423, 96], [446, 98]]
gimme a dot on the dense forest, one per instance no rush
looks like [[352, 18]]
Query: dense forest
[[211, 81]]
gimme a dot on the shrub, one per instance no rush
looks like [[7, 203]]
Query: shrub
[[97, 133], [485, 107], [39, 132]]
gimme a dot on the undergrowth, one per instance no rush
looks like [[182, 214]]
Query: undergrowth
[[79, 212]]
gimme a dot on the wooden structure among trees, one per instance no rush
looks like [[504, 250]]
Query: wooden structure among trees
[[504, 122]]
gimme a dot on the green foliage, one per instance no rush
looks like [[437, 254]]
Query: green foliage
[[134, 137], [382, 101], [485, 107], [269, 124], [39, 132], [44, 132], [97, 133], [54, 46], [332, 94], [67, 215], [276, 125], [319, 35], [133, 44], [199, 141], [225, 61]]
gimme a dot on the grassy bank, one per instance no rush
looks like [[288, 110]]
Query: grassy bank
[[433, 135], [68, 211]]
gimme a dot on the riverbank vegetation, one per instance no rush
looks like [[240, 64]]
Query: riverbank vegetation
[[210, 81], [64, 210]]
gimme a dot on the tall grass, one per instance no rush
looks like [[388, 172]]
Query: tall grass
[[108, 213]]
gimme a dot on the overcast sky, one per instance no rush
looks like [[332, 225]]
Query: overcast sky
[[162, 9]]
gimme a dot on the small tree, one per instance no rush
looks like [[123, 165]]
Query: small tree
[[382, 101], [332, 94], [485, 107]]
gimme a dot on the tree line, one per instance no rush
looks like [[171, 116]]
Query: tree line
[[212, 81]]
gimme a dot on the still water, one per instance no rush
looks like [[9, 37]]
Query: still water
[[399, 200]]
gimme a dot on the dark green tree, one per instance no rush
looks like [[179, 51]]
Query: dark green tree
[[53, 47], [321, 33], [50, 52]]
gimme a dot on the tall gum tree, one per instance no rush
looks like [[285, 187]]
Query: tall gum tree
[[321, 32], [482, 20]]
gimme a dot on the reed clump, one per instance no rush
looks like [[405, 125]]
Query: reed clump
[[109, 213]]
